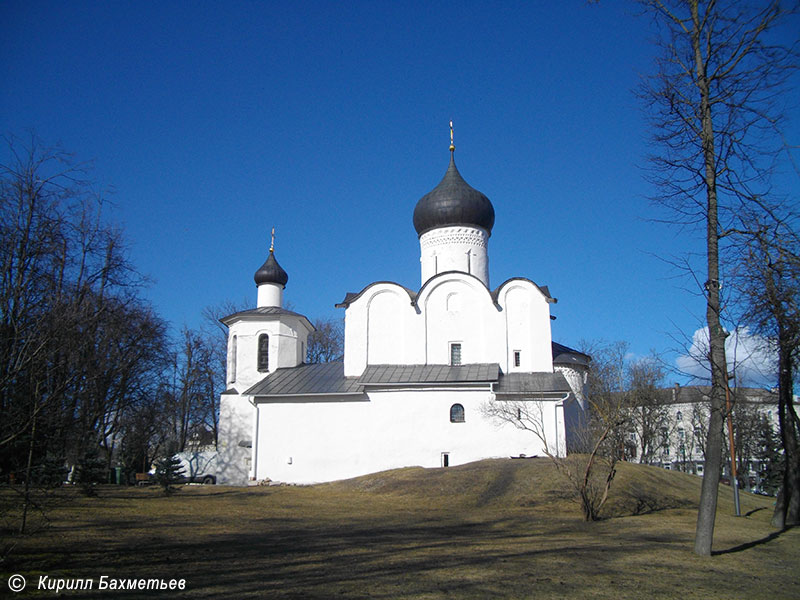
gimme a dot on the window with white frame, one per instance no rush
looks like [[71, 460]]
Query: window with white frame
[[517, 358]]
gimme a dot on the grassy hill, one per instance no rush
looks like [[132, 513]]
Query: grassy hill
[[496, 528]]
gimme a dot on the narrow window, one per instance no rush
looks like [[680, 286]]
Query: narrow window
[[517, 358], [263, 353], [455, 354], [232, 361], [679, 416], [456, 413], [445, 459]]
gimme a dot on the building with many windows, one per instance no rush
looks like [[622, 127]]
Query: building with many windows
[[670, 431], [419, 364]]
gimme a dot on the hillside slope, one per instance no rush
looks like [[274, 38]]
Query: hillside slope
[[536, 483]]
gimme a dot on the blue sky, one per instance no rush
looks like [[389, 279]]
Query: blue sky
[[213, 122]]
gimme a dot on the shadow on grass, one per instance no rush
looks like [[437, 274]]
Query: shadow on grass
[[418, 554], [747, 545], [755, 510]]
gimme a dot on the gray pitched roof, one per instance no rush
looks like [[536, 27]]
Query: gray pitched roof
[[421, 374], [531, 383], [327, 379], [264, 311], [307, 380], [565, 355]]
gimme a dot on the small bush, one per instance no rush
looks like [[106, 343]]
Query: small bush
[[168, 473], [91, 470]]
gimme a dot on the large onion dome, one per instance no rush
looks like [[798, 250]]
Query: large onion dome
[[453, 202], [271, 272]]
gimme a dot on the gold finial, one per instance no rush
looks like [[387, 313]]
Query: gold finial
[[272, 241], [452, 146]]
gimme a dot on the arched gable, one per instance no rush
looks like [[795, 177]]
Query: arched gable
[[385, 326], [526, 324], [377, 321], [456, 308]]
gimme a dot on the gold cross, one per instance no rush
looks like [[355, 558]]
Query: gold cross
[[272, 241], [452, 146]]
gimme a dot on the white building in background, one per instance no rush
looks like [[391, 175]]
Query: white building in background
[[418, 365], [671, 431]]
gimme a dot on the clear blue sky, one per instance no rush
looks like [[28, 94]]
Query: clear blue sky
[[214, 122]]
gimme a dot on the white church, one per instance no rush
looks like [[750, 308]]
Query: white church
[[418, 370]]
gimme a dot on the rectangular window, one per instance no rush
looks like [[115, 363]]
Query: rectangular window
[[445, 459], [517, 358], [455, 354]]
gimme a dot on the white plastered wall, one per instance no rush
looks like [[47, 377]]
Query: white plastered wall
[[383, 327], [307, 441], [455, 248], [288, 336], [234, 459]]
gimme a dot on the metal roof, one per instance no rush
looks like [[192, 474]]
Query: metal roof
[[327, 379], [307, 380], [453, 202], [524, 384], [264, 311], [422, 374], [271, 272], [565, 355]]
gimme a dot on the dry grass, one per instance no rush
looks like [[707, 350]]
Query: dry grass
[[501, 528]]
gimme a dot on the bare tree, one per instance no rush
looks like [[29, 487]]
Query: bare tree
[[75, 340], [715, 106], [770, 285], [326, 343], [591, 472], [649, 413]]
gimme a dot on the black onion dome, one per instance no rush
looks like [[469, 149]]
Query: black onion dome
[[271, 272], [453, 202]]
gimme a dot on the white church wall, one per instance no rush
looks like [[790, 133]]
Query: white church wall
[[456, 248], [576, 378], [379, 328], [270, 294], [457, 309], [286, 340], [236, 421], [386, 327], [527, 327], [311, 442]]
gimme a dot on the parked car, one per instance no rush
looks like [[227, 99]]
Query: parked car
[[198, 467]]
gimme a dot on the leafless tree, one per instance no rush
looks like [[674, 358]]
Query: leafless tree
[[649, 413], [326, 343], [769, 282], [715, 102], [590, 471], [75, 340]]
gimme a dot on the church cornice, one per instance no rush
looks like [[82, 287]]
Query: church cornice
[[265, 313], [351, 297], [542, 288]]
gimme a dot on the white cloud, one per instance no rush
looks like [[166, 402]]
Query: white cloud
[[747, 354]]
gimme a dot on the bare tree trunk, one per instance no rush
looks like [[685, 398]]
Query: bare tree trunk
[[711, 474], [787, 507], [28, 470]]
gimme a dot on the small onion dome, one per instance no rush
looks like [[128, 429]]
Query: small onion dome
[[453, 202], [271, 272]]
